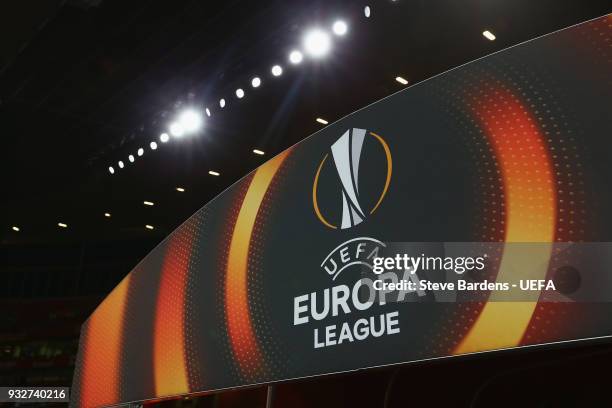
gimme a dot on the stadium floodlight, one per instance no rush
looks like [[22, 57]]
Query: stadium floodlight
[[164, 137], [180, 189], [140, 151], [149, 227], [190, 120], [259, 152], [176, 129], [295, 57], [207, 112], [317, 43], [214, 173], [401, 80], [131, 158], [107, 215], [111, 170], [16, 229], [367, 11], [120, 163], [339, 28], [277, 70], [322, 121], [149, 203], [240, 93], [62, 225], [222, 103], [255, 82], [153, 145]]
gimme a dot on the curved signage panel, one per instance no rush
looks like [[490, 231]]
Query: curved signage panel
[[493, 176]]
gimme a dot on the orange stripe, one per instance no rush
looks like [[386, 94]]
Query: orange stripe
[[241, 333], [169, 356], [100, 381], [530, 206]]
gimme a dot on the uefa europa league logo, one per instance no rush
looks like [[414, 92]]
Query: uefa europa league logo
[[346, 154]]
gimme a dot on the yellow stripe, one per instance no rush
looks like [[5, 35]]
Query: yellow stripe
[[314, 196], [241, 332], [530, 217], [389, 170]]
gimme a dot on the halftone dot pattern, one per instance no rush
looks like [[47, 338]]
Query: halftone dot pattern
[[224, 245], [101, 351], [549, 319], [595, 37], [518, 142], [488, 217], [274, 353], [194, 349], [565, 196], [547, 103], [577, 204], [243, 338], [137, 374], [169, 356]]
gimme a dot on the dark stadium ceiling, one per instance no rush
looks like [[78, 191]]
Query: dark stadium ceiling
[[84, 84]]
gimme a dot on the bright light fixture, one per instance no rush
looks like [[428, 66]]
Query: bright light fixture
[[317, 43], [322, 121], [255, 82], [131, 158], [164, 137], [367, 11], [295, 57], [213, 173], [149, 227], [259, 152], [140, 151], [16, 229], [153, 145], [239, 93], [207, 112], [222, 103], [149, 203], [277, 70], [62, 225], [176, 129], [340, 28], [190, 120], [401, 80], [120, 163], [489, 35], [107, 215], [111, 170], [180, 189]]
